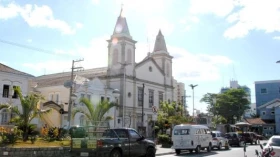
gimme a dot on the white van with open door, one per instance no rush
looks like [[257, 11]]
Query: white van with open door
[[191, 137]]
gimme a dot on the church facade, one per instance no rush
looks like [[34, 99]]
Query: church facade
[[142, 85]]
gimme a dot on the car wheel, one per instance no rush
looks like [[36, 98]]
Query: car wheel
[[150, 152], [115, 153], [209, 148], [220, 146], [178, 151], [197, 149]]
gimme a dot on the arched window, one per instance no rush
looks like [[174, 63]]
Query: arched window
[[115, 56], [82, 120], [129, 56], [4, 116], [167, 69]]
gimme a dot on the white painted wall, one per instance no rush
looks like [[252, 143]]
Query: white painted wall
[[13, 80], [142, 72]]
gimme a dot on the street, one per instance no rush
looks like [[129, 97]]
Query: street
[[233, 152]]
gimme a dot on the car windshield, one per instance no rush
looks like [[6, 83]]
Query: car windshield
[[213, 135], [274, 142], [181, 131], [246, 135]]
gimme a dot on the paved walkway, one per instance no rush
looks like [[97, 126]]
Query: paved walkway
[[164, 151]]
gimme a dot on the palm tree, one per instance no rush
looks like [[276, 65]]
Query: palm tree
[[30, 110], [95, 114]]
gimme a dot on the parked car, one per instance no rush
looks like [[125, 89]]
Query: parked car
[[274, 144], [219, 141], [250, 137], [191, 137], [235, 138], [117, 142]]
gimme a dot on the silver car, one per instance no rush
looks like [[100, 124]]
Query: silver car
[[273, 142], [218, 141]]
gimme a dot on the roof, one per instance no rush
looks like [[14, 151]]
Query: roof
[[267, 81], [160, 44], [121, 26], [59, 78], [254, 121], [149, 59], [270, 103], [7, 69]]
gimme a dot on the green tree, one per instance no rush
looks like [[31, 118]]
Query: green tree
[[210, 99], [232, 103], [170, 113], [95, 114], [29, 111]]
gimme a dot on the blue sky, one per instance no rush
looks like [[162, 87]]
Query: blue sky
[[211, 41]]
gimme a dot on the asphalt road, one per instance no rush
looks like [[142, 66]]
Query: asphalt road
[[233, 152]]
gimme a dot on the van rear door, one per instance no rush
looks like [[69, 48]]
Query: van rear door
[[181, 138]]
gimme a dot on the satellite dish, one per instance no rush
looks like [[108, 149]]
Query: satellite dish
[[68, 83]]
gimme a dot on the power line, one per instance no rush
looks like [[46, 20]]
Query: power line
[[31, 48]]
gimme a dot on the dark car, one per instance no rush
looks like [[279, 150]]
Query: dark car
[[118, 142], [250, 137], [235, 138]]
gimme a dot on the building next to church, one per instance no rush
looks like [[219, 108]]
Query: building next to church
[[9, 78], [142, 85]]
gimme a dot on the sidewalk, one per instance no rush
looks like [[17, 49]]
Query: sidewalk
[[164, 151]]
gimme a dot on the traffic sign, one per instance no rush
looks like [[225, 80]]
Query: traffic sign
[[154, 108]]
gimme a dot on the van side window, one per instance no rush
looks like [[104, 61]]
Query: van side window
[[181, 132]]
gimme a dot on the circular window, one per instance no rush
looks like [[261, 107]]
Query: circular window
[[150, 69], [129, 94]]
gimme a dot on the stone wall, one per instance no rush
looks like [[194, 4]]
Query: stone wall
[[35, 152]]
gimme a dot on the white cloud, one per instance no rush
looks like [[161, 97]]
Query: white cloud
[[97, 47], [95, 2], [244, 15], [145, 7], [194, 19], [188, 22], [199, 67], [10, 11], [79, 25], [276, 37], [29, 40], [254, 15], [35, 16], [218, 7], [153, 25]]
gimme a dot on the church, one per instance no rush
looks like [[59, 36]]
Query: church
[[142, 86]]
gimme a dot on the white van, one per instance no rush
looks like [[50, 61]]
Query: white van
[[191, 137]]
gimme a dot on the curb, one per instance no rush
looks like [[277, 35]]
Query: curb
[[161, 154]]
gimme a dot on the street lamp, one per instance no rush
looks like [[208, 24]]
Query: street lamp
[[124, 88], [73, 97], [193, 86], [116, 94]]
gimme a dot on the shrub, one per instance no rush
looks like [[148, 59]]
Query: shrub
[[9, 136], [164, 138]]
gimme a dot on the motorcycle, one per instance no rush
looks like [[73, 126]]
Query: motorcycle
[[264, 153]]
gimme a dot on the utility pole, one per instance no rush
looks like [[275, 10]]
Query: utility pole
[[143, 91], [184, 102], [193, 86], [71, 89], [124, 90]]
